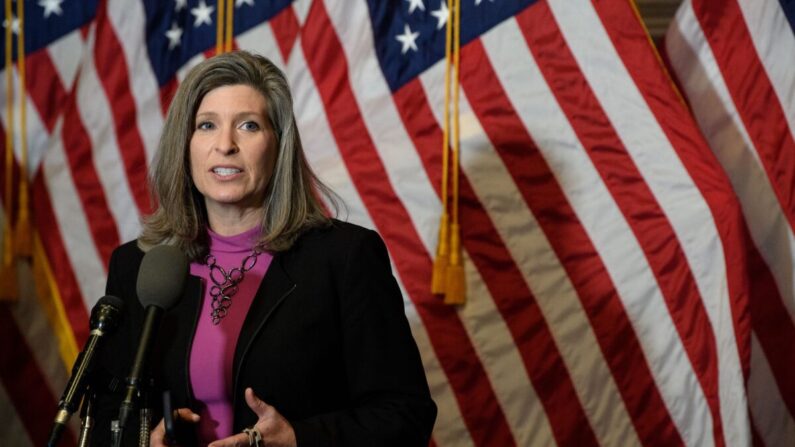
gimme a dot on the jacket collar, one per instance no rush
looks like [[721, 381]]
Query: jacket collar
[[276, 286]]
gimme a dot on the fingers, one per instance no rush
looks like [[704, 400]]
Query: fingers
[[187, 415], [256, 404], [238, 440], [158, 435]]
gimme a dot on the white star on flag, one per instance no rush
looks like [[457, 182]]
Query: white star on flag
[[174, 36], [51, 6], [478, 2], [180, 5], [408, 39], [202, 14], [239, 3], [414, 4], [14, 24], [441, 15]]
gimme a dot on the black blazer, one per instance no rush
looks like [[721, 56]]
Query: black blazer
[[326, 342]]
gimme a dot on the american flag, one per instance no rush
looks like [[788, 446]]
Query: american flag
[[618, 292], [735, 60]]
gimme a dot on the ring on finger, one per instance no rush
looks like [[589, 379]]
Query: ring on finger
[[254, 437]]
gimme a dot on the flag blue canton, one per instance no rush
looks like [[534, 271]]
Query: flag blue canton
[[788, 6], [44, 25], [410, 34], [178, 30]]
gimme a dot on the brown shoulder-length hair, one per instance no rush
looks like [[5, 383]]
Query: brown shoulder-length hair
[[291, 203]]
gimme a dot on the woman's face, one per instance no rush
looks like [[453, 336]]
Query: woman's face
[[232, 149]]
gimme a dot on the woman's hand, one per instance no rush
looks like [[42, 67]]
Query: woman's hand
[[157, 437], [274, 428]]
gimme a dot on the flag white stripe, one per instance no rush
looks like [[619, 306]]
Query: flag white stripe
[[81, 250], [540, 269], [774, 41], [66, 54], [723, 128], [37, 332], [606, 227], [126, 18], [771, 418], [301, 9], [503, 363], [94, 111], [36, 141], [319, 144], [673, 189], [262, 41]]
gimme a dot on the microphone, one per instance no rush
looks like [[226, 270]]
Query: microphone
[[104, 320], [161, 280]]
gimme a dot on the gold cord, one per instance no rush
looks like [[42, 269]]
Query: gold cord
[[438, 278], [219, 30], [23, 240], [230, 17], [8, 276], [455, 287]]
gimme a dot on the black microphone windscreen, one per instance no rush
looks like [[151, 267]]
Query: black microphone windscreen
[[105, 314], [109, 300], [162, 276]]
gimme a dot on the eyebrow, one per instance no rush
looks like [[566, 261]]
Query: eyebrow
[[211, 114]]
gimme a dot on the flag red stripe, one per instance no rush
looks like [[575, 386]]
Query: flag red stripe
[[511, 295], [482, 415], [629, 37], [77, 148], [116, 83], [167, 92], [52, 241], [772, 325], [753, 95], [285, 28], [26, 385], [45, 87], [566, 234]]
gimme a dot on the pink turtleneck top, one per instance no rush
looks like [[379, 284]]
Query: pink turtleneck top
[[213, 349]]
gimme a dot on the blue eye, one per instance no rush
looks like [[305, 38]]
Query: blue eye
[[205, 125], [250, 125]]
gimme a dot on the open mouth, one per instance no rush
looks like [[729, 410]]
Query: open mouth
[[223, 172]]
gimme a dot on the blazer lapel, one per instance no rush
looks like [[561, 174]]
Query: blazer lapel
[[276, 286]]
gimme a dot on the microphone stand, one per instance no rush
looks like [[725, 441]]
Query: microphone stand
[[145, 414], [135, 379], [87, 411]]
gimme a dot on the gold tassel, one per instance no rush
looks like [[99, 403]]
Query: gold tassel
[[439, 277], [455, 292]]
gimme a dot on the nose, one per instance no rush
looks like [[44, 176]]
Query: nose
[[226, 143]]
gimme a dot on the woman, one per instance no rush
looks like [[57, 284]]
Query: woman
[[291, 326]]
